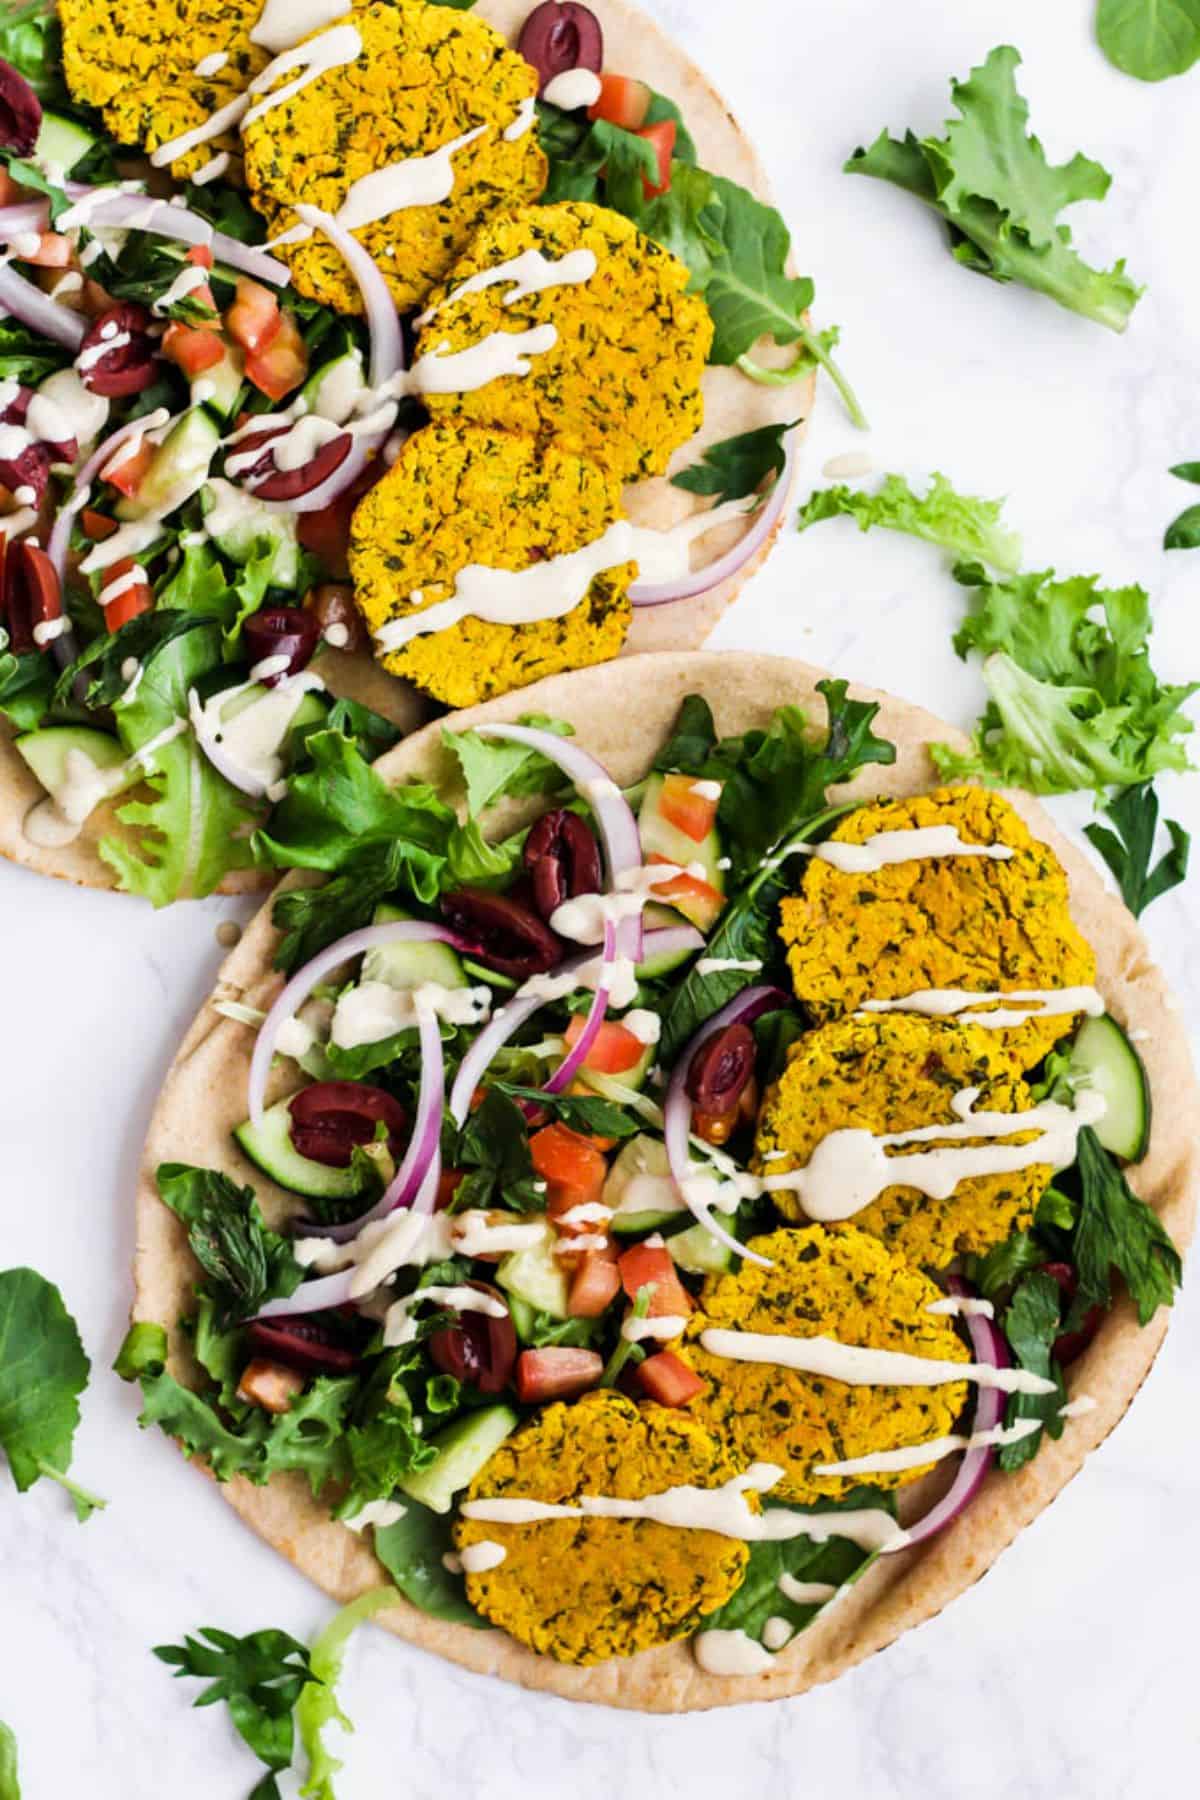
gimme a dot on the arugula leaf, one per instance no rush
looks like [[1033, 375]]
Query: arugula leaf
[[260, 1678], [317, 1705], [587, 1113], [10, 1786], [1000, 197], [411, 1551], [1117, 1230], [142, 639], [493, 1149], [341, 806], [692, 741], [1129, 848], [26, 684], [43, 1371], [1150, 39], [738, 466], [962, 523], [1031, 1325], [835, 1563], [1074, 701], [492, 769], [247, 1263], [1183, 533]]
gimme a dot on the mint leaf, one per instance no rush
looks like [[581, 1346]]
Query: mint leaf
[[43, 1371], [246, 1263], [1129, 848], [1149, 39], [968, 526]]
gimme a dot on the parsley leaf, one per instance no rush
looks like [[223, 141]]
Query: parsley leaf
[[1129, 848], [1149, 39], [1031, 1325], [10, 1786], [1005, 1264], [1001, 199], [247, 1264], [1117, 1230], [411, 1551], [260, 1678], [43, 1371], [968, 526], [587, 1113], [493, 1149], [738, 466]]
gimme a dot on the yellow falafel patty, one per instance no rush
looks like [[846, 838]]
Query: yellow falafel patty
[[426, 77], [621, 380], [834, 1283], [586, 1589], [464, 497], [136, 60], [892, 1073], [940, 922]]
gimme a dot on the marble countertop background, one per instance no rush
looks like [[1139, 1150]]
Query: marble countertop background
[[1069, 1672]]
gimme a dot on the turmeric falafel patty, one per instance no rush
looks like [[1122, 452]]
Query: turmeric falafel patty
[[895, 1072], [834, 1283], [135, 60], [940, 922], [621, 381], [426, 77], [455, 498], [586, 1589]]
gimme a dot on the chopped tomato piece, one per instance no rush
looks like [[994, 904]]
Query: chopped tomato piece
[[594, 1286], [645, 1265], [271, 1385], [327, 533], [570, 1165], [254, 320], [137, 598], [53, 252], [283, 365], [128, 472], [447, 1187], [613, 1050], [661, 138], [696, 899], [691, 811], [97, 525], [556, 1373], [10, 190], [668, 1379], [192, 348], [622, 101], [201, 256]]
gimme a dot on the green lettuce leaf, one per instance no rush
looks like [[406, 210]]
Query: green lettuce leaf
[[412, 1550], [26, 685], [1129, 848], [10, 1786], [317, 1704], [43, 1371], [970, 527], [1150, 39], [30, 39], [493, 770]]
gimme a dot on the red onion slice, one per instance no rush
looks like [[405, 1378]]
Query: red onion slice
[[77, 499], [35, 309], [748, 545], [577, 1054], [23, 216], [677, 1111], [988, 1346], [247, 259], [312, 1297]]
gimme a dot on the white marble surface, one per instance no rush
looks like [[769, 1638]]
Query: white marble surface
[[1069, 1673]]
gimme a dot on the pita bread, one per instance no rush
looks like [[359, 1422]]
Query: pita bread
[[204, 1098], [732, 405]]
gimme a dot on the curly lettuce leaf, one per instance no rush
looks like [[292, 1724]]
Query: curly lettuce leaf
[[340, 807], [317, 1705], [969, 526], [10, 1785]]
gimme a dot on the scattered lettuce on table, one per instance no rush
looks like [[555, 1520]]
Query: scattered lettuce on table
[[970, 527], [43, 1371], [1149, 39]]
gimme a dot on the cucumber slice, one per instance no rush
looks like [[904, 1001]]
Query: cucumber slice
[[661, 838], [334, 390], [536, 1276], [699, 1252], [225, 379], [238, 525], [403, 965], [270, 1146], [640, 1190], [1103, 1059], [463, 1448], [657, 918], [62, 143], [179, 469], [46, 752]]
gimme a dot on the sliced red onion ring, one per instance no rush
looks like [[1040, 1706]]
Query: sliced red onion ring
[[677, 1111], [312, 1297], [248, 260], [165, 220], [577, 1054], [77, 499], [762, 525], [988, 1345], [302, 983], [35, 309], [22, 216]]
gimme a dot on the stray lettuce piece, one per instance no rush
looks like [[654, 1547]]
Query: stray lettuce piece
[[991, 182], [144, 1352], [43, 1371], [26, 683], [1117, 1230], [1129, 848], [260, 1678], [1074, 701], [493, 769], [1149, 39], [738, 466], [10, 1786], [411, 1551], [963, 523], [587, 1113], [493, 1149], [1031, 1325], [1183, 533], [317, 1704], [369, 730], [246, 1263]]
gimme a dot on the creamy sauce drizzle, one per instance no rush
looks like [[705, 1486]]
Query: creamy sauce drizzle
[[730, 1653], [283, 23], [374, 1010], [1026, 1004], [58, 820], [884, 848], [532, 272], [962, 1306], [915, 1456], [477, 1559], [805, 1593], [415, 181], [862, 1367], [252, 737], [400, 1327], [662, 1329], [572, 89]]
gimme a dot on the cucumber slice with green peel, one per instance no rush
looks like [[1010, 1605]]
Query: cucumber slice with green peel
[[1104, 1060], [62, 143], [661, 838], [334, 390], [662, 918], [640, 1190], [699, 1252], [536, 1276], [179, 469], [462, 1450], [46, 751], [270, 1146], [241, 527], [225, 379], [403, 966]]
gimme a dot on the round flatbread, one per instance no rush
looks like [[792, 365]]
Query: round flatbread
[[732, 404], [623, 720]]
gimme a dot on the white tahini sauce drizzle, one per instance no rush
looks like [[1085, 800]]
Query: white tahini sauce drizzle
[[805, 1593], [253, 736], [224, 119], [962, 1306], [572, 89], [334, 48], [584, 919], [1078, 1408], [380, 1513], [400, 1327], [374, 1010], [915, 1456], [1026, 1004], [730, 1653], [532, 272], [189, 278], [212, 170], [212, 65], [477, 1559], [526, 116], [283, 23], [414, 181], [500, 353], [862, 1367], [883, 848], [716, 965], [59, 819], [777, 1632], [662, 1329]]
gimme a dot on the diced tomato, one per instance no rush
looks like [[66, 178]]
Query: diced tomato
[[661, 138], [96, 525], [614, 1050], [622, 101], [556, 1373], [10, 190], [668, 1379], [201, 256], [570, 1165], [128, 472], [696, 899], [53, 252], [271, 1385], [283, 365], [132, 600], [192, 348], [594, 1286], [254, 320], [691, 812], [447, 1187], [644, 1265]]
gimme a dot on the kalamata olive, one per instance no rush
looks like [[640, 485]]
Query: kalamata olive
[[289, 484], [28, 472], [32, 594], [479, 1351], [304, 1343], [1070, 1344], [561, 35], [503, 933], [331, 1117], [339, 621], [117, 355], [281, 631], [721, 1068], [563, 860], [20, 111], [63, 450]]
